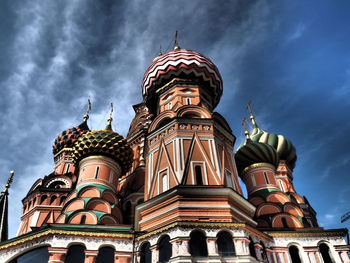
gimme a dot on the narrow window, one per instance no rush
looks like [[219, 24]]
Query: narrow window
[[165, 249], [229, 180], [294, 254], [76, 254], [324, 249], [281, 184], [284, 222], [253, 179], [199, 178], [83, 219], [266, 178], [53, 199], [188, 101], [97, 172], [68, 168], [105, 255], [164, 182], [145, 253], [170, 105]]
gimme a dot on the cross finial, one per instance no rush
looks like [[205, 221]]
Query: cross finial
[[252, 118], [9, 181], [86, 116], [110, 119], [176, 45], [246, 132], [160, 50]]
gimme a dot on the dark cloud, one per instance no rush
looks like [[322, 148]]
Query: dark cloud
[[291, 63]]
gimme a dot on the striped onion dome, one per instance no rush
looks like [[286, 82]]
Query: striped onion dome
[[182, 63], [251, 152], [284, 147], [104, 142], [68, 137]]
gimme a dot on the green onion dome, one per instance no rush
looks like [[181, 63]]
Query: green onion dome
[[105, 142], [68, 137], [284, 147], [251, 152]]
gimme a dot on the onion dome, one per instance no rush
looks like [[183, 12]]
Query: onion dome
[[104, 142], [68, 137], [284, 147], [251, 152], [182, 63]]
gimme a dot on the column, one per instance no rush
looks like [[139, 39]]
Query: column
[[122, 257], [241, 246], [180, 247], [258, 253], [57, 255], [155, 254], [90, 256], [212, 250]]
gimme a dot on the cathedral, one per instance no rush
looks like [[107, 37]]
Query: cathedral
[[170, 191]]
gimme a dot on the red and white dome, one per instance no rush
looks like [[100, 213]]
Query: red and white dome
[[178, 63]]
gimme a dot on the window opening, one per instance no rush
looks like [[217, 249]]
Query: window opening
[[198, 244], [145, 253], [165, 249], [164, 182], [97, 172], [76, 254], [53, 198], [170, 105], [83, 219], [225, 244], [284, 223], [253, 179], [266, 178], [105, 255], [188, 101], [294, 254], [199, 178], [68, 167], [252, 248], [325, 252]]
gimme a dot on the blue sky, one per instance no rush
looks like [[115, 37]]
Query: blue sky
[[290, 58]]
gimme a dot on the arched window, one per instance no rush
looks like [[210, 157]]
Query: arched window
[[76, 254], [198, 244], [165, 249], [198, 171], [53, 198], [105, 255], [34, 200], [127, 213], [294, 254], [225, 244], [324, 250], [43, 198], [252, 248], [145, 253], [37, 255]]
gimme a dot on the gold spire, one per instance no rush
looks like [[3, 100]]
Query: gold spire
[[110, 119], [252, 118], [176, 45], [246, 132], [86, 116], [9, 181]]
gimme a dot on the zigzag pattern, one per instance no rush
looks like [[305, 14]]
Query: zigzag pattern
[[182, 61]]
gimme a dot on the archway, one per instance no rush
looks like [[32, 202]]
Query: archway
[[225, 244], [294, 254], [198, 244]]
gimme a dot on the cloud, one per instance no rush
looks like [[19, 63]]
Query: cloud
[[297, 33]]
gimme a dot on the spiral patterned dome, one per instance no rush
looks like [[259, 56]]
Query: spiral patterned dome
[[182, 63], [284, 147], [104, 142], [68, 137], [251, 152]]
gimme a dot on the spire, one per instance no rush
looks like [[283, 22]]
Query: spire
[[86, 116], [252, 118], [110, 119], [176, 45], [246, 132], [4, 210]]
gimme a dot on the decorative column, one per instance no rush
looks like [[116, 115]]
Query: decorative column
[[122, 257], [258, 253], [155, 254], [180, 247], [91, 256], [241, 246], [57, 255], [212, 250]]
